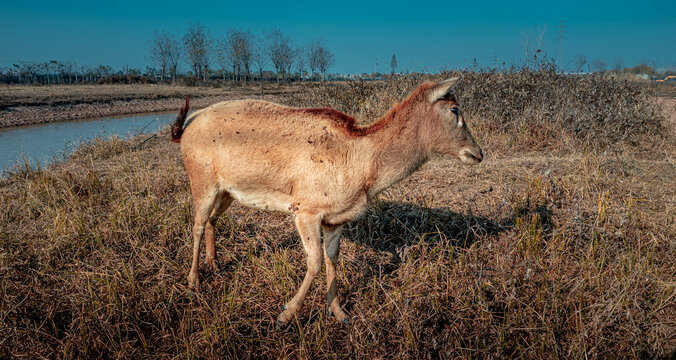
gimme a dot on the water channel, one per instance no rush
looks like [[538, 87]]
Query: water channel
[[48, 142]]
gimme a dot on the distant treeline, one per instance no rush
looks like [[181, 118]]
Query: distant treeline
[[56, 72], [192, 58], [37, 74]]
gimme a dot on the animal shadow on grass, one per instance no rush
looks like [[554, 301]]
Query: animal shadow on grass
[[391, 227], [394, 227]]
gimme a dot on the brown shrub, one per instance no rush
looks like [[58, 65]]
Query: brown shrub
[[520, 110]]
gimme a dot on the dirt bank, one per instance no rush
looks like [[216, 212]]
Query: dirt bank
[[27, 105], [41, 114]]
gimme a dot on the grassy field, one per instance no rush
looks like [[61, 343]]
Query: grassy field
[[561, 244]]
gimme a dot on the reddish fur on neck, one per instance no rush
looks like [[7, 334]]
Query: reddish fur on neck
[[348, 124]]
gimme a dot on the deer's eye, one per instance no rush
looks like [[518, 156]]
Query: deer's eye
[[455, 110]]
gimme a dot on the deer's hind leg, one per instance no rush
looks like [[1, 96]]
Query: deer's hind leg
[[223, 200], [331, 236], [204, 200]]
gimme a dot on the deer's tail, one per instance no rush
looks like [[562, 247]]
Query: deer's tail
[[177, 127]]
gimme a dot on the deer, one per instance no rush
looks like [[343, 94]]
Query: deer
[[315, 163]]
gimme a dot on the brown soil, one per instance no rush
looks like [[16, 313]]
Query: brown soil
[[29, 115], [27, 105]]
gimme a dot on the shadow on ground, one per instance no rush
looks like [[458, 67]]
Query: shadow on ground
[[394, 226]]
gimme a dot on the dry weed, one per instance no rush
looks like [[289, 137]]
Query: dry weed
[[558, 255], [522, 109]]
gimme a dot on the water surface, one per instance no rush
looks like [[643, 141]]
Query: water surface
[[47, 142]]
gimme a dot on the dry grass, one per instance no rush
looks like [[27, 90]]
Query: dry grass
[[660, 88], [559, 254], [523, 110]]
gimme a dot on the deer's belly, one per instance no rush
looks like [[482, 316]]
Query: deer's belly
[[263, 200]]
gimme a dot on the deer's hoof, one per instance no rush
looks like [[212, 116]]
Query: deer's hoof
[[194, 282], [285, 316]]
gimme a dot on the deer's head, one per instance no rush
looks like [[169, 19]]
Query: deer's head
[[450, 134]]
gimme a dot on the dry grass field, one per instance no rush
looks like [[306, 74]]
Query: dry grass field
[[561, 244]]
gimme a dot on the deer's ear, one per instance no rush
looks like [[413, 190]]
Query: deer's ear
[[443, 88]]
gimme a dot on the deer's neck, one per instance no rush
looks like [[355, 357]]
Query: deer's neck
[[399, 148]]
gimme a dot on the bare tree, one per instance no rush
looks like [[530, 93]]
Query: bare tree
[[311, 58], [279, 51], [301, 60], [55, 68], [578, 62], [525, 45], [69, 69], [293, 56], [644, 61], [103, 70], [538, 35], [599, 65], [46, 69], [246, 54], [198, 42], [540, 31], [618, 63], [27, 71], [223, 58], [159, 52], [326, 60], [174, 53], [320, 57], [259, 58], [238, 48], [393, 63]]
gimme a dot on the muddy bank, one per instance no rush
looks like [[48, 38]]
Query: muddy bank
[[41, 114]]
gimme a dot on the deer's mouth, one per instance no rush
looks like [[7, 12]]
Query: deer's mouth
[[470, 157]]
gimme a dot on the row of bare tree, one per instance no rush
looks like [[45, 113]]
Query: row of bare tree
[[599, 65], [58, 72], [237, 54], [532, 42]]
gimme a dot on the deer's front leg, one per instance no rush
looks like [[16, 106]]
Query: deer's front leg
[[308, 226]]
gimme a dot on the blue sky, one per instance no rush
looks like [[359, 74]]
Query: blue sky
[[423, 35]]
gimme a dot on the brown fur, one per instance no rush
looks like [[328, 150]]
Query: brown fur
[[316, 163]]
